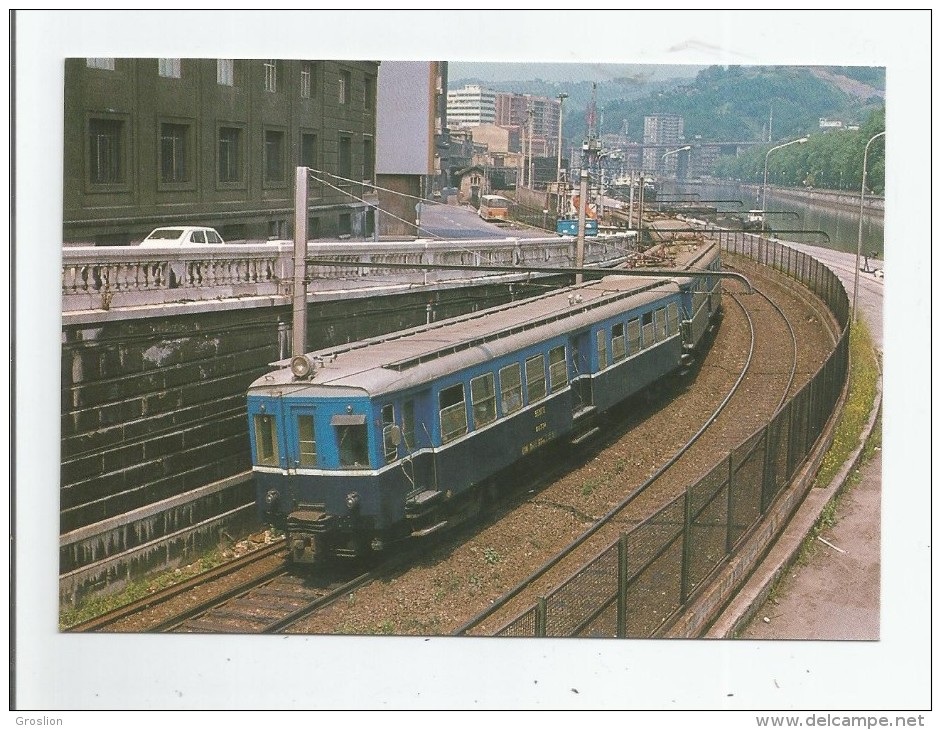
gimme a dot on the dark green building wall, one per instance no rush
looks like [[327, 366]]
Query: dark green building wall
[[138, 98]]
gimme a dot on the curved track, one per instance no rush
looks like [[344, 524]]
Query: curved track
[[762, 372]]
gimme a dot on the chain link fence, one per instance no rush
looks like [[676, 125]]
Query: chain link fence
[[638, 584]]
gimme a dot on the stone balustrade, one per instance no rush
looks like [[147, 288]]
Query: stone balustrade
[[127, 277]]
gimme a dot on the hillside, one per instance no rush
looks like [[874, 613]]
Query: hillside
[[733, 103]]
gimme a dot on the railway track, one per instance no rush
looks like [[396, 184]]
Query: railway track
[[780, 355], [281, 602], [266, 607], [124, 617]]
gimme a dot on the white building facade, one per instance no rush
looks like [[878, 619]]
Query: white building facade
[[471, 106]]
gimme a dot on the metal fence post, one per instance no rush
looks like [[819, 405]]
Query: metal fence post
[[621, 630], [729, 510], [687, 540], [766, 475], [541, 617]]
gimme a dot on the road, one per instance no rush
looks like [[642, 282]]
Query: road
[[835, 593], [456, 221]]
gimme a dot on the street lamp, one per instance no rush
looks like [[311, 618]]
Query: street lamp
[[859, 239], [673, 152], [764, 185], [558, 164]]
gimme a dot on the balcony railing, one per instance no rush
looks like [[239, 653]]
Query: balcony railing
[[124, 277]]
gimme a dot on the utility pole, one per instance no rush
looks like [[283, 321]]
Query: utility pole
[[558, 165], [531, 147], [299, 301], [580, 241]]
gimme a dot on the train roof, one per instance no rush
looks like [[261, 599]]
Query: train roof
[[414, 357]]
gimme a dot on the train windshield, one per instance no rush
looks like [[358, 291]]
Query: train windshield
[[352, 441]]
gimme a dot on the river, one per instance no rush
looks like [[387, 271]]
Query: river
[[842, 226]]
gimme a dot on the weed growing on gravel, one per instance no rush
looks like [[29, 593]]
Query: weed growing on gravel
[[491, 556], [590, 486], [99, 605], [864, 378]]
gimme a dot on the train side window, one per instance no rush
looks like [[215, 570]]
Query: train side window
[[511, 388], [408, 425], [390, 450], [453, 413], [266, 440], [618, 348], [602, 344], [483, 400], [647, 327], [306, 441], [673, 319], [558, 372], [633, 335], [660, 323], [535, 378]]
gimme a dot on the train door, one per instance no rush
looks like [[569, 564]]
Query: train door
[[580, 373], [301, 438]]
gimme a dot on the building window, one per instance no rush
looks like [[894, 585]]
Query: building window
[[230, 168], [306, 85], [174, 153], [346, 79], [309, 156], [169, 67], [271, 75], [225, 71], [370, 94], [313, 228], [105, 151], [345, 159], [274, 156], [368, 160], [103, 64], [345, 224]]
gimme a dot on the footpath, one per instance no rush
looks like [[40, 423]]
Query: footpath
[[830, 589]]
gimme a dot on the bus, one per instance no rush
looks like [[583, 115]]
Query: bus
[[494, 208]]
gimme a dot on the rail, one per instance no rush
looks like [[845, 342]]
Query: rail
[[640, 585], [128, 277]]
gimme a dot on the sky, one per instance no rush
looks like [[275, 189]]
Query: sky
[[563, 72]]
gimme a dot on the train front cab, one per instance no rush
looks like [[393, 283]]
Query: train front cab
[[320, 473]]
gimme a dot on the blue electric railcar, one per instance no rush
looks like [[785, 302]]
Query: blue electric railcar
[[357, 446]]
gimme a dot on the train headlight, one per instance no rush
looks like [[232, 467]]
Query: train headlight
[[352, 501], [271, 500], [300, 366]]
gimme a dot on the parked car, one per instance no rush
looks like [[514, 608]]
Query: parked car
[[182, 236]]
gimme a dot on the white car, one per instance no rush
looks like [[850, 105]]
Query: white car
[[182, 236]]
